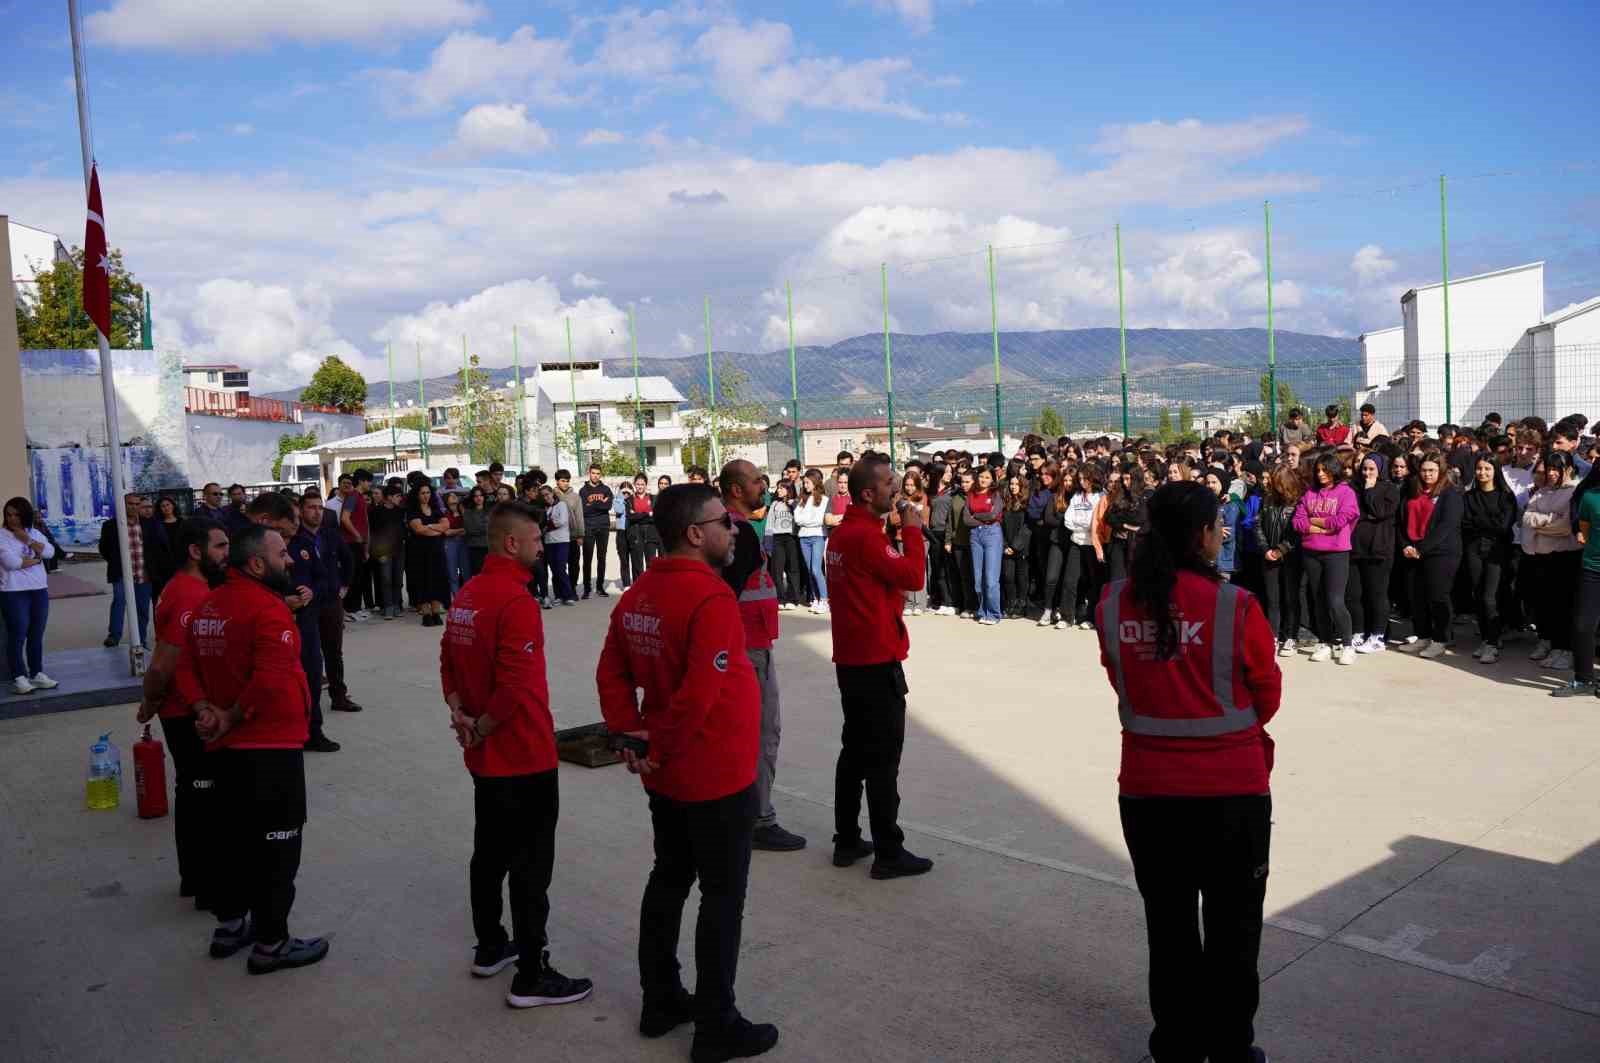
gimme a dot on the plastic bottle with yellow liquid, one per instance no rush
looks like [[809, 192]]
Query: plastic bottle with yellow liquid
[[104, 788]]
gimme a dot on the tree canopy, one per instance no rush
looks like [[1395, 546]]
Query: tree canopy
[[336, 384], [50, 314]]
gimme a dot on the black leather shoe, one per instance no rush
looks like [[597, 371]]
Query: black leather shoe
[[903, 865], [321, 744], [774, 839], [847, 853], [740, 1039], [345, 706], [660, 1019]]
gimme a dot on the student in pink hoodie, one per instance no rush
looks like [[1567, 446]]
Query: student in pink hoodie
[[1324, 518]]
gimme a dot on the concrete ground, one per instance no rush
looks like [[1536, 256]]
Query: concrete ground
[[1435, 875]]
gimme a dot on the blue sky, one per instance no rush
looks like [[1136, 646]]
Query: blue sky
[[299, 177]]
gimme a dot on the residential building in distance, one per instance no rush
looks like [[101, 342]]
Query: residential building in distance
[[821, 441], [574, 414], [385, 453]]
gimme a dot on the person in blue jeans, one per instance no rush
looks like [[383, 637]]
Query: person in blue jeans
[[984, 510], [810, 528], [111, 552], [24, 596]]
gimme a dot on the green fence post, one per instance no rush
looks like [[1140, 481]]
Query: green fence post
[[888, 360], [466, 395], [516, 367], [1122, 334], [394, 447], [422, 402], [146, 335], [638, 414], [711, 393], [794, 379], [1444, 265], [994, 331], [572, 392], [1272, 336]]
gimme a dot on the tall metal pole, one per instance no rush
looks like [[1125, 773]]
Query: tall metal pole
[[638, 414], [394, 443], [108, 385], [794, 379], [711, 391], [1444, 265], [516, 368], [1272, 335], [888, 359], [147, 326], [1122, 333], [994, 330], [572, 393], [422, 401]]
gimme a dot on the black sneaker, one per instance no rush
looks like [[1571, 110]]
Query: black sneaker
[[585, 595], [321, 744], [1575, 689], [291, 952], [740, 1039], [847, 853], [110, 642], [345, 706], [545, 985], [774, 839], [490, 960], [902, 866], [658, 1020], [225, 942], [603, 593]]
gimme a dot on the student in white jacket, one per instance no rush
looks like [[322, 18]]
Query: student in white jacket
[[808, 526], [24, 596]]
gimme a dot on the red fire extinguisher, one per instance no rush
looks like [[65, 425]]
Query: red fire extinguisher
[[150, 775]]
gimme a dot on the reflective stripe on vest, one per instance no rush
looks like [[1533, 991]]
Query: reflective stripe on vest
[[1233, 718]]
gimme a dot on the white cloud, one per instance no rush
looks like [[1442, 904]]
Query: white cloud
[[241, 129], [753, 69], [238, 25], [188, 136], [366, 257], [1194, 137], [499, 129], [1371, 265], [534, 307], [468, 65], [596, 137], [916, 14]]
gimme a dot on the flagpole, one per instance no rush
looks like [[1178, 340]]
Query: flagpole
[[108, 386]]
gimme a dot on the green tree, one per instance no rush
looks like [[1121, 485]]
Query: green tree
[[614, 460], [1048, 423], [1164, 426], [288, 444], [488, 416], [1258, 422], [50, 311], [1185, 421], [336, 384], [738, 418]]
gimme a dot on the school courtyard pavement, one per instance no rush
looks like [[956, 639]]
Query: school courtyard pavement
[[1434, 889]]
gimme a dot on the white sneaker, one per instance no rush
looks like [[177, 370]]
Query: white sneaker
[[947, 610], [1558, 661], [988, 621], [1491, 654], [1375, 644], [1286, 648], [1347, 655], [1435, 650], [363, 615], [1085, 625], [20, 685], [1307, 647], [822, 607], [1047, 618], [1363, 643], [1321, 653], [1416, 646], [1541, 651], [41, 681], [1477, 654], [1061, 624]]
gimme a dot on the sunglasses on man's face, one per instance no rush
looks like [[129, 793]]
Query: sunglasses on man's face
[[726, 520]]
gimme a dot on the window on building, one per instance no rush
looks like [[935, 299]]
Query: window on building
[[647, 416], [236, 380], [211, 376], [438, 416], [847, 443], [589, 423], [649, 455]]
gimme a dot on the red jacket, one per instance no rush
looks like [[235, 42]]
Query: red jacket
[[1181, 735], [867, 582], [677, 634], [244, 649], [492, 657], [180, 600]]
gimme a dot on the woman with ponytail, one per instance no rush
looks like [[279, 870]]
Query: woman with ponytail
[[1191, 658]]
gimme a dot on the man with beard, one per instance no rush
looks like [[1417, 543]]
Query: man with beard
[[240, 673], [677, 635], [202, 552]]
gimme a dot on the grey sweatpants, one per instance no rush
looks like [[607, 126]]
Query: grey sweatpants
[[771, 727]]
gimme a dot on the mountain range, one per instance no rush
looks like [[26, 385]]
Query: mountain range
[[1220, 366]]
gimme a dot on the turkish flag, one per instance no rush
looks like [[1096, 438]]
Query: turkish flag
[[96, 261]]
